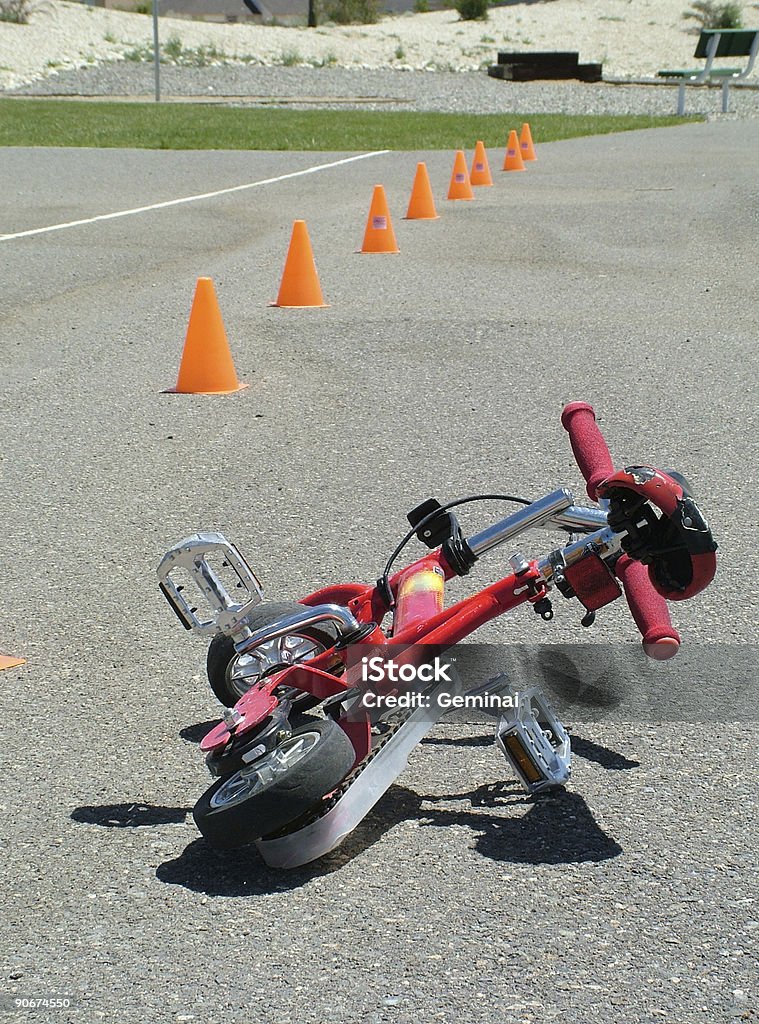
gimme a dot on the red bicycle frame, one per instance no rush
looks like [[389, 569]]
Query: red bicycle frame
[[419, 615], [414, 595], [254, 745], [418, 618]]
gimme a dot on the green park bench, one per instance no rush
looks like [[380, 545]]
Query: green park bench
[[714, 43]]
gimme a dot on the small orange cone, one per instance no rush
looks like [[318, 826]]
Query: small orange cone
[[6, 661], [206, 367], [513, 159], [421, 205], [525, 143], [379, 235], [459, 187], [480, 173], [300, 281]]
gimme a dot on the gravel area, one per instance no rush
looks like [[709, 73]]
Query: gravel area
[[425, 62], [631, 40], [370, 89]]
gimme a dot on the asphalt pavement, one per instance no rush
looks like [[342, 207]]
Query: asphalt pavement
[[620, 270]]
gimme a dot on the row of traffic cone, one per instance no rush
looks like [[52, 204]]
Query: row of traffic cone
[[207, 366], [379, 235], [518, 151]]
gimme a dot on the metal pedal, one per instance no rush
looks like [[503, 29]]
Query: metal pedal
[[220, 611], [534, 741]]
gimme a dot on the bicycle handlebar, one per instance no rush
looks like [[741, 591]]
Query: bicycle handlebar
[[588, 445], [649, 610]]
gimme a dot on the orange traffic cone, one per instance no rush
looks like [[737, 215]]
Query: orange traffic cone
[[379, 235], [513, 159], [206, 367], [300, 281], [480, 173], [459, 187], [6, 661], [421, 205], [525, 143]]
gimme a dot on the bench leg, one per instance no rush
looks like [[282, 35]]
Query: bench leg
[[725, 96], [681, 99]]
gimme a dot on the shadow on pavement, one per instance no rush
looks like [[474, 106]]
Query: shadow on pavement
[[195, 733], [610, 759], [587, 749], [556, 829], [461, 741], [129, 815], [572, 678], [244, 873]]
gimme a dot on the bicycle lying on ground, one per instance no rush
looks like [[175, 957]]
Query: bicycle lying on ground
[[298, 789]]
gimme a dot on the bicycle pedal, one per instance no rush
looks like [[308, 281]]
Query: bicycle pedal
[[202, 560], [534, 741]]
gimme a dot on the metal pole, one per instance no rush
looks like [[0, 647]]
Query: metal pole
[[156, 53]]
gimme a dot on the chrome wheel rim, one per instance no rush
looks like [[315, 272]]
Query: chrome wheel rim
[[253, 779], [247, 669]]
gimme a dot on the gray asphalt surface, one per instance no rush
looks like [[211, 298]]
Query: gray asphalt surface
[[620, 270]]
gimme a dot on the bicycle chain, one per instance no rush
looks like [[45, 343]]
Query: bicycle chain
[[347, 782], [328, 802]]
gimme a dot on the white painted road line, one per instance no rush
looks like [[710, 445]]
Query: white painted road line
[[193, 199]]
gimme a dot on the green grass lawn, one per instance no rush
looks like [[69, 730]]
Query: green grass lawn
[[210, 126]]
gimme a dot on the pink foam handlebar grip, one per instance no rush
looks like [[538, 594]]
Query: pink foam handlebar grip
[[649, 609], [588, 445]]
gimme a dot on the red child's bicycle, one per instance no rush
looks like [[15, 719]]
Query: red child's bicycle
[[298, 789]]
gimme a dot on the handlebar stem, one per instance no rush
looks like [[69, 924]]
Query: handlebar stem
[[526, 518]]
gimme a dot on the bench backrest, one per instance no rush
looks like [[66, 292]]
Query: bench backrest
[[734, 42]]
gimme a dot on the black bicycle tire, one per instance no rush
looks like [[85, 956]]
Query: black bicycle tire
[[284, 799]]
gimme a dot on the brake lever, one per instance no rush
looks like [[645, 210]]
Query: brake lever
[[677, 546]]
